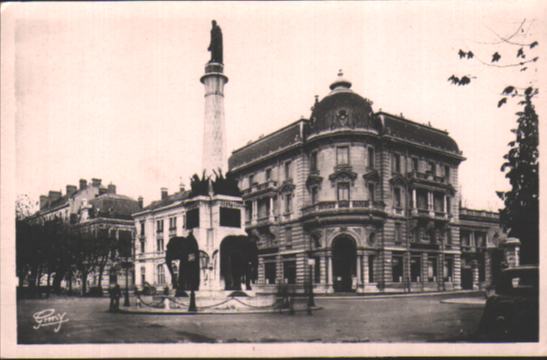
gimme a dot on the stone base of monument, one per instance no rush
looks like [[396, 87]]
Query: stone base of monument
[[213, 302]]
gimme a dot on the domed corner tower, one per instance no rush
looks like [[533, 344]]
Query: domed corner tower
[[342, 109]]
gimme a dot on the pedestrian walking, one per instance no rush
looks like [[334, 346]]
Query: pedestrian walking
[[115, 294]]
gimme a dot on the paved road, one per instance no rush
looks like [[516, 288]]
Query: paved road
[[408, 319]]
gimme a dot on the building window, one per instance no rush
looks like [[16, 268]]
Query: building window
[[289, 270], [397, 198], [432, 269], [397, 268], [313, 161], [142, 245], [415, 164], [448, 211], [287, 170], [343, 192], [142, 228], [396, 163], [270, 271], [288, 237], [371, 238], [371, 158], [449, 236], [161, 274], [371, 191], [415, 268], [398, 233], [448, 266], [192, 218], [447, 172], [432, 168], [416, 235], [230, 217], [314, 193], [251, 180], [159, 243], [268, 174], [288, 203], [342, 155], [173, 223], [371, 259], [317, 269], [159, 226], [143, 275], [248, 211]]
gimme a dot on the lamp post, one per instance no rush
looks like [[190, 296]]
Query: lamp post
[[311, 302], [126, 295]]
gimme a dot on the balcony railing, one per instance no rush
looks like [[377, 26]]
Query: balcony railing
[[478, 213], [351, 204], [428, 176], [267, 185]]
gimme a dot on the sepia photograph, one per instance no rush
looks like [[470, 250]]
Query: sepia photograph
[[315, 178]]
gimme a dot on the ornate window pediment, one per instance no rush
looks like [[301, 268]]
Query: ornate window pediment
[[372, 175], [398, 179], [314, 180], [286, 186], [343, 173]]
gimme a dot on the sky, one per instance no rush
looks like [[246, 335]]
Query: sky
[[112, 90]]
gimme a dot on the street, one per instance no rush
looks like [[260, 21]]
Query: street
[[394, 319]]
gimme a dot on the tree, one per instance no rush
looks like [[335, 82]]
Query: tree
[[23, 207], [520, 216]]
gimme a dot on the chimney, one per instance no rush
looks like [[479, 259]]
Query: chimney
[[181, 187], [43, 201], [163, 193], [83, 184], [140, 200], [54, 196], [111, 188], [95, 182], [71, 189]]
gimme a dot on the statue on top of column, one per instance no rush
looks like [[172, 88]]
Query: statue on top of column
[[215, 47]]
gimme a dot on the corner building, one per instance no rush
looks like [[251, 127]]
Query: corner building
[[354, 199]]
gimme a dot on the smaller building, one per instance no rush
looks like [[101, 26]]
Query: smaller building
[[99, 210], [481, 238]]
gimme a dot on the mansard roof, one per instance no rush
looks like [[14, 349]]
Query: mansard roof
[[114, 206], [275, 142], [170, 199], [411, 131]]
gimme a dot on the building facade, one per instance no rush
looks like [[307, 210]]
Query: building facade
[[355, 200], [94, 208]]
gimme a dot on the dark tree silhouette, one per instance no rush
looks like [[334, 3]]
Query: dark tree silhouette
[[520, 216]]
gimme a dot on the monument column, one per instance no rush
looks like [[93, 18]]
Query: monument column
[[214, 138]]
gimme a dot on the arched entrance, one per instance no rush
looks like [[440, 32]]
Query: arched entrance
[[238, 262], [344, 258]]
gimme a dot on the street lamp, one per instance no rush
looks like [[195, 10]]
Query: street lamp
[[311, 302], [126, 295]]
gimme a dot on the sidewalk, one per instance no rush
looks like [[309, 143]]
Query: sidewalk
[[372, 296]]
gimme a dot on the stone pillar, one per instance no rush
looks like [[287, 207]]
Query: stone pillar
[[254, 206], [330, 287], [414, 204], [475, 270], [214, 138], [271, 214], [358, 271], [511, 250], [365, 269]]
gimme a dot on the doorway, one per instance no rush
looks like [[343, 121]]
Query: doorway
[[344, 257]]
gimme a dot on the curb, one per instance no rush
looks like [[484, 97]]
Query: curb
[[390, 296], [186, 313]]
